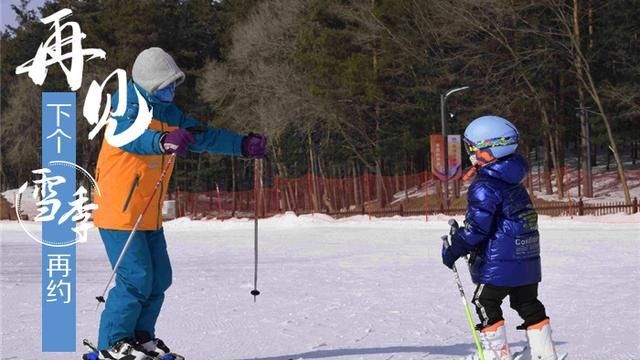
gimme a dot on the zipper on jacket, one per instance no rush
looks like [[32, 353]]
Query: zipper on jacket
[[161, 186], [133, 187]]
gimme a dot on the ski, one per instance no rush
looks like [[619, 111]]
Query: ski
[[94, 354], [170, 356]]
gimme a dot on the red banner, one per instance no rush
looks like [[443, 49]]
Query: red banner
[[437, 156], [454, 143]]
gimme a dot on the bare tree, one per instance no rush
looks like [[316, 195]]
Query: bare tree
[[566, 16], [20, 132]]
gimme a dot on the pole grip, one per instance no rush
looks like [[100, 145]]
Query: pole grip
[[445, 241], [453, 226]]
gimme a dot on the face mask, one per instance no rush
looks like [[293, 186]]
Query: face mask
[[167, 93]]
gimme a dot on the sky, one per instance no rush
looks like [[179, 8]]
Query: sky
[[8, 16]]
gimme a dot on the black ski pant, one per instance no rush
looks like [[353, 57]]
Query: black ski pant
[[524, 299]]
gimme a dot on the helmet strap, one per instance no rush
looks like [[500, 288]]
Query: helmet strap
[[479, 159]]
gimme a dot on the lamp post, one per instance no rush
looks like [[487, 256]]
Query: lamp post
[[443, 124]]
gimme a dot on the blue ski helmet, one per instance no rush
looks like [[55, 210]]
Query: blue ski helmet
[[492, 134]]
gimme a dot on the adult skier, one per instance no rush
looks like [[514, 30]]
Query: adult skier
[[126, 177], [501, 233]]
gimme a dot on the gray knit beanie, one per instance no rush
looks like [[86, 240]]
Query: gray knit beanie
[[154, 69]]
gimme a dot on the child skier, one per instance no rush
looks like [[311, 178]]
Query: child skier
[[126, 177], [501, 234]]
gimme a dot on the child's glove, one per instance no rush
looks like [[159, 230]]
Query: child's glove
[[177, 142], [453, 252], [254, 146], [447, 257]]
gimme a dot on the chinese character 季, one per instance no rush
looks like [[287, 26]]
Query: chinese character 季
[[51, 52], [80, 213]]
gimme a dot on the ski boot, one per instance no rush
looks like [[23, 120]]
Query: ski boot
[[122, 350], [157, 349], [539, 344], [494, 343]]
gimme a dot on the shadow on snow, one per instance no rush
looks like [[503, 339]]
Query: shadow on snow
[[456, 349]]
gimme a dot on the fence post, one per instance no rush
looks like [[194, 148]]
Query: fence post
[[276, 189], [634, 205], [179, 213], [220, 209], [401, 210], [426, 196], [580, 207]]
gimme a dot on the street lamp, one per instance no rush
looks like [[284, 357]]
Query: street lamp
[[443, 124]]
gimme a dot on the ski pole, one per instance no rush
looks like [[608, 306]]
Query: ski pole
[[465, 303], [100, 298], [258, 194], [470, 258]]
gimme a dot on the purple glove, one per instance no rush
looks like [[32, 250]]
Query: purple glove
[[177, 142], [254, 146]]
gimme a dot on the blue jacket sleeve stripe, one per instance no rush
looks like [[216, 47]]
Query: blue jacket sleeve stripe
[[146, 144], [219, 141]]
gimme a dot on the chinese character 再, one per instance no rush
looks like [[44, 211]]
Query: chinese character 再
[[49, 54], [59, 263]]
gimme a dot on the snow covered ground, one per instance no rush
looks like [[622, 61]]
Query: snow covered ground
[[341, 289]]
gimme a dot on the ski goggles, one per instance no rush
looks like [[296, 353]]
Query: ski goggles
[[472, 147]]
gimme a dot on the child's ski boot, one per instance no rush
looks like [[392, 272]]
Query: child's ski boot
[[494, 343], [539, 344]]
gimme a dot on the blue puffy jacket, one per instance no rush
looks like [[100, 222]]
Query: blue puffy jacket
[[501, 226]]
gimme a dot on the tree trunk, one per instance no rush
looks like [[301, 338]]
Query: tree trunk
[[233, 186], [356, 192], [547, 166], [590, 86], [558, 164], [587, 182], [325, 191], [314, 187], [379, 185]]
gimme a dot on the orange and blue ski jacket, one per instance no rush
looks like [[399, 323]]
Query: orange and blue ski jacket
[[127, 175]]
